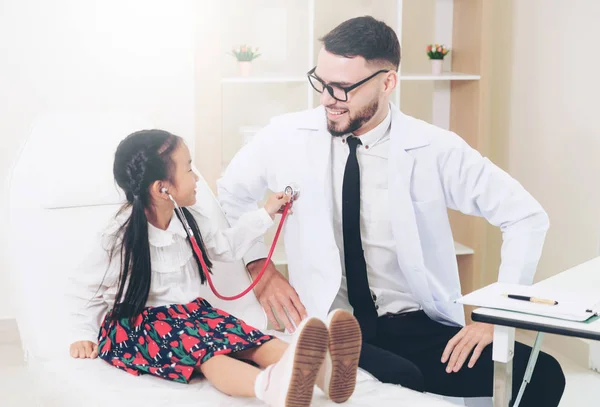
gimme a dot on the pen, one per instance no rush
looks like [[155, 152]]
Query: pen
[[531, 299]]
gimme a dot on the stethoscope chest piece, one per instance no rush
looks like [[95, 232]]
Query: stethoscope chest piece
[[293, 190]]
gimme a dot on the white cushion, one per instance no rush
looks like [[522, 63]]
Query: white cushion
[[48, 244], [76, 153]]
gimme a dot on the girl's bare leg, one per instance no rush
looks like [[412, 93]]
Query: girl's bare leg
[[221, 368], [291, 371], [264, 355]]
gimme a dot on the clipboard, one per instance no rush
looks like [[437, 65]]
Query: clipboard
[[570, 307]]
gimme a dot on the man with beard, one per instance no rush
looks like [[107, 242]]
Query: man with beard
[[370, 230]]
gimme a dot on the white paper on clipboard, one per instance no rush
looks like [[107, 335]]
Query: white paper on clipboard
[[571, 307]]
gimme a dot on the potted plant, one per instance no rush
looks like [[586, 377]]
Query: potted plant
[[436, 54], [245, 55]]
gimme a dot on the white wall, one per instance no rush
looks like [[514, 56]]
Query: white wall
[[136, 55], [546, 102], [544, 129], [209, 102]]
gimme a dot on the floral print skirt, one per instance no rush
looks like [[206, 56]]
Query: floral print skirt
[[171, 341]]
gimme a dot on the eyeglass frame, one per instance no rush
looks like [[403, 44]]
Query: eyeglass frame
[[345, 89]]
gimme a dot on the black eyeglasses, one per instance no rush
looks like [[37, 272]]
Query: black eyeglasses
[[336, 91]]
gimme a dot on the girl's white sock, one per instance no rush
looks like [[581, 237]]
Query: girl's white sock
[[260, 384]]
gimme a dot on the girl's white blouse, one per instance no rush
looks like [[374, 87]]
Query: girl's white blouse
[[174, 272]]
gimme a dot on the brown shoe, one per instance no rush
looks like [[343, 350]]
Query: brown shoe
[[337, 376], [290, 381]]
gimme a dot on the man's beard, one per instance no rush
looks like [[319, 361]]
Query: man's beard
[[356, 122]]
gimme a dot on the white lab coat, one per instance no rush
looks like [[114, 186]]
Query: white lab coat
[[430, 170]]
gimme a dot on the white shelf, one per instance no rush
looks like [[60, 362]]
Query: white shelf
[[445, 76], [265, 79], [462, 250]]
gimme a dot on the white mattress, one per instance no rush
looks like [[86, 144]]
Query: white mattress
[[68, 382], [78, 383]]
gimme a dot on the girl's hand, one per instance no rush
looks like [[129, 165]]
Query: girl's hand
[[276, 203], [84, 350]]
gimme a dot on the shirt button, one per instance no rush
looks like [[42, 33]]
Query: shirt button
[[367, 147], [344, 140], [376, 307]]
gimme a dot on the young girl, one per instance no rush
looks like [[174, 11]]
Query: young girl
[[136, 304]]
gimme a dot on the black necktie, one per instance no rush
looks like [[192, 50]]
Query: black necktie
[[359, 293]]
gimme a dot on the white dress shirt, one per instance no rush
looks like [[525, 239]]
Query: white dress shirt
[[388, 285], [174, 271]]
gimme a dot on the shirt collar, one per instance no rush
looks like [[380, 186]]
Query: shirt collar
[[373, 136], [161, 238]]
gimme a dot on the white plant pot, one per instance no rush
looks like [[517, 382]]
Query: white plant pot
[[245, 68], [436, 66]]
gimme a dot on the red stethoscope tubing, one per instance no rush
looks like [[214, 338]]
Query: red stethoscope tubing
[[198, 252]]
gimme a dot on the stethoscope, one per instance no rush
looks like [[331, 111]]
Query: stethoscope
[[291, 190]]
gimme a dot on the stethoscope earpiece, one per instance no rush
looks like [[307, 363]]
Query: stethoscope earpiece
[[166, 191], [184, 221]]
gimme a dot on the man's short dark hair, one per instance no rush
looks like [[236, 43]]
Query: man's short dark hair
[[366, 37]]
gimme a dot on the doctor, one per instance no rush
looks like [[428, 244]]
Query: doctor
[[370, 230]]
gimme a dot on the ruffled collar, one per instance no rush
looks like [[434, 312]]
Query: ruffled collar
[[162, 238]]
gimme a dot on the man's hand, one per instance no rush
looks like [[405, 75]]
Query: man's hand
[[277, 296], [477, 335], [84, 350]]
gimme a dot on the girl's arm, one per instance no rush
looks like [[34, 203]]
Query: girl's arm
[[85, 292], [231, 243]]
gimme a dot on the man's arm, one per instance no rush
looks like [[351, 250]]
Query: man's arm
[[244, 183], [475, 186]]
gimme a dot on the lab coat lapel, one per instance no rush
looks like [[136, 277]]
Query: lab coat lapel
[[318, 153], [323, 254], [401, 163]]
